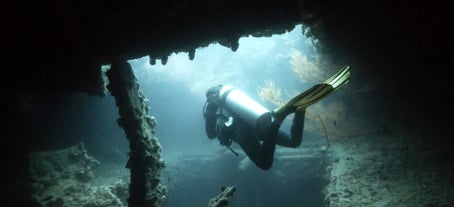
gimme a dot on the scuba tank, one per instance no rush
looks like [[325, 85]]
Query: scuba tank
[[250, 111]]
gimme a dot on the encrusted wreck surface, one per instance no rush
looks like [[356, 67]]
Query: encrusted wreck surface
[[222, 199], [145, 160], [387, 170], [64, 178]]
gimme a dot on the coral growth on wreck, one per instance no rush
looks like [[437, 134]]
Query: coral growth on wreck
[[306, 70], [65, 178]]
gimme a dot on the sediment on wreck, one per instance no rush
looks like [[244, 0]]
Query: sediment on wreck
[[145, 161]]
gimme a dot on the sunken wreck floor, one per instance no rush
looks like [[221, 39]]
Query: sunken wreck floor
[[371, 170], [71, 177]]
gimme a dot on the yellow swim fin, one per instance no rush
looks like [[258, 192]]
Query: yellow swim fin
[[314, 94]]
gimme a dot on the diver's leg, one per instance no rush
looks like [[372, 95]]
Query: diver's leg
[[261, 154], [296, 132]]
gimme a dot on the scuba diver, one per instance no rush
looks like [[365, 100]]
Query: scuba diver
[[232, 116]]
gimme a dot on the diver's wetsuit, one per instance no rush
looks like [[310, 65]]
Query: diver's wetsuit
[[255, 128], [260, 149]]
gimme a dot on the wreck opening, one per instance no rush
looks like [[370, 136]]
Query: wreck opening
[[266, 68]]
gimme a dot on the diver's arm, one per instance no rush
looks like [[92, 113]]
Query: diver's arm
[[210, 120]]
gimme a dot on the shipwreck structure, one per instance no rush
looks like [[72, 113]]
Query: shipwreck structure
[[54, 47]]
